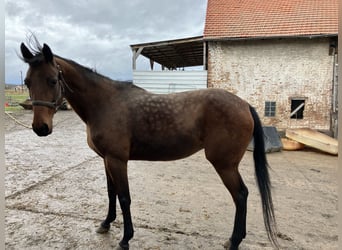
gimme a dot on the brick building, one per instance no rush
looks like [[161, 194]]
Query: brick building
[[278, 55]]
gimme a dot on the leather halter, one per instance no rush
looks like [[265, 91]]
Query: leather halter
[[58, 102]]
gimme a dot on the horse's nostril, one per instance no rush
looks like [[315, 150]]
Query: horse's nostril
[[42, 130]]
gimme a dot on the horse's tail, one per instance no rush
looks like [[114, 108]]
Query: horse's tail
[[263, 179]]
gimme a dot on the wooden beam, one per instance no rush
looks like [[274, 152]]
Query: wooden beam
[[151, 64], [297, 109], [136, 54], [205, 65]]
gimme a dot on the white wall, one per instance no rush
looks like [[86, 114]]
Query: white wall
[[162, 82], [277, 70]]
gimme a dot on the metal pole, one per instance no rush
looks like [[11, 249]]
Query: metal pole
[[22, 84]]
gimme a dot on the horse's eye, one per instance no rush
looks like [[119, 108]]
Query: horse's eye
[[52, 81]]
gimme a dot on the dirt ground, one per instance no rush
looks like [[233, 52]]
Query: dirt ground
[[56, 196]]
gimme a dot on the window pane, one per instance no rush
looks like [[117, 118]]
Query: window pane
[[297, 108], [270, 108]]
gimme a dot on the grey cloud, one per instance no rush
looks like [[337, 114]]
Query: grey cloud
[[98, 33]]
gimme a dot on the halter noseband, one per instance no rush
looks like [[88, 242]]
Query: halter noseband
[[55, 104]]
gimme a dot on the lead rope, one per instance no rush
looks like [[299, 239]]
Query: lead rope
[[17, 121], [23, 124], [63, 85]]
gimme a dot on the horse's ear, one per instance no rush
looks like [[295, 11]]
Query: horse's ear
[[25, 52], [47, 53]]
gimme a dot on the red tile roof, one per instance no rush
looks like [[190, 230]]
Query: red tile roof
[[270, 18]]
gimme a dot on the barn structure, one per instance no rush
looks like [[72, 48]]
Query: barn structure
[[173, 57], [280, 56]]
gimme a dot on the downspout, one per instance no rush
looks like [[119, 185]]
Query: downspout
[[333, 81], [333, 119]]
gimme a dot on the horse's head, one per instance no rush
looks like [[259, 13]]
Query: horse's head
[[44, 84]]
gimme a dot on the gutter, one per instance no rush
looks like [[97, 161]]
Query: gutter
[[209, 39]]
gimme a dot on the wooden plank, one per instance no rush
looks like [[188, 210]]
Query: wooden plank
[[136, 53], [297, 109], [314, 139]]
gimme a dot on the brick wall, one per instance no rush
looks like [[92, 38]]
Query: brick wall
[[276, 70]]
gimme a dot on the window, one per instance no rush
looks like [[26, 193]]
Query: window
[[297, 108], [270, 108]]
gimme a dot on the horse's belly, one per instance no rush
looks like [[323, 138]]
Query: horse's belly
[[164, 150]]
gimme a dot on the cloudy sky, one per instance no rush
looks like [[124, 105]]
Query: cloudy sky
[[97, 33]]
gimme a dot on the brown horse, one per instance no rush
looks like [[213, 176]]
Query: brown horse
[[125, 122]]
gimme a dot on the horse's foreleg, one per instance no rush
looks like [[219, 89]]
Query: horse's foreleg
[[117, 171], [125, 202], [111, 216]]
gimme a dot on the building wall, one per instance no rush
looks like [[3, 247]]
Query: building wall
[[164, 82], [277, 70]]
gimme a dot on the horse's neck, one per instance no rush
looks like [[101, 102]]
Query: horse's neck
[[80, 92]]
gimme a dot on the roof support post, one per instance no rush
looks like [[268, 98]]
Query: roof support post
[[151, 64], [136, 54], [205, 63]]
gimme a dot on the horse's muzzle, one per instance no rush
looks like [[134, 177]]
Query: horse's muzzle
[[43, 130]]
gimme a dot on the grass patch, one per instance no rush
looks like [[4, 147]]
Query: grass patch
[[13, 98]]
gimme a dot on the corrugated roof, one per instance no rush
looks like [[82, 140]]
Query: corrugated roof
[[270, 18], [177, 53]]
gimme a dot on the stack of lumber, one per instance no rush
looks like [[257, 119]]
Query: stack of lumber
[[297, 138]]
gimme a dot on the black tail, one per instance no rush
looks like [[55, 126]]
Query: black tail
[[263, 179]]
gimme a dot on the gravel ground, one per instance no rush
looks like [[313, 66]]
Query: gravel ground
[[56, 196]]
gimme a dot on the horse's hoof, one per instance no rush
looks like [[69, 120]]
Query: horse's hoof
[[228, 245], [123, 246], [103, 229]]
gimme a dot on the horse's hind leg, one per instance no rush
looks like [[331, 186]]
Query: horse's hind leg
[[234, 183]]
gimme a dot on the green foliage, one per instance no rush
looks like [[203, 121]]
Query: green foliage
[[13, 98]]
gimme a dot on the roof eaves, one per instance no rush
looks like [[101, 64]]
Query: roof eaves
[[306, 36], [169, 42]]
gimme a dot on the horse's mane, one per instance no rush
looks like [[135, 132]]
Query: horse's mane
[[35, 48], [95, 76]]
